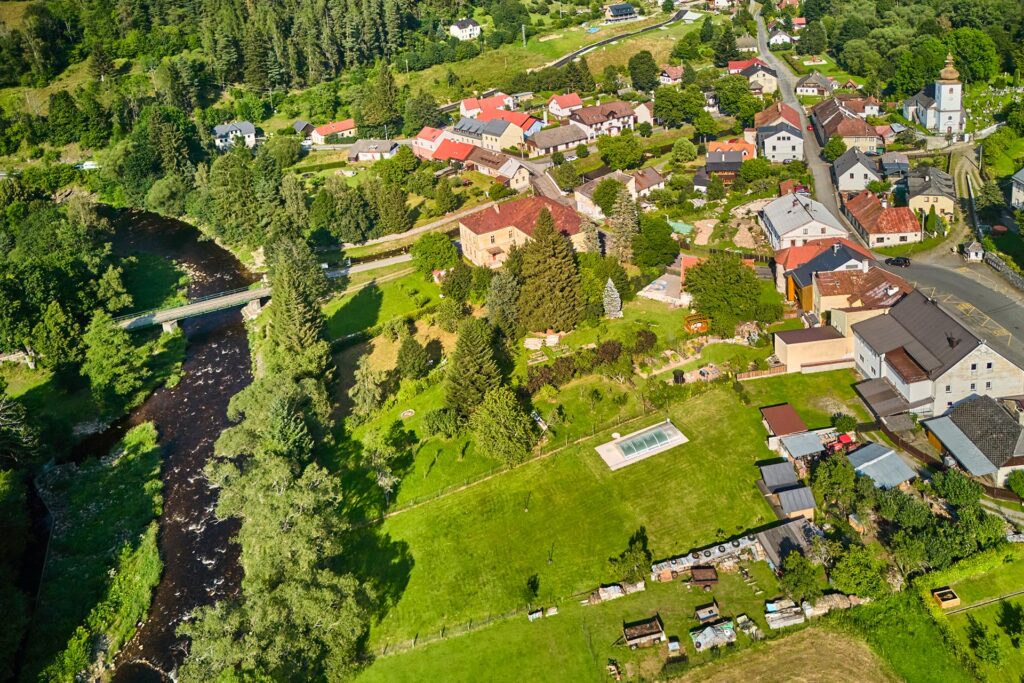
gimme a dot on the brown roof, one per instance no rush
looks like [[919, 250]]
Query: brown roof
[[857, 103], [868, 211], [599, 113], [641, 629], [704, 574], [782, 419], [835, 120], [874, 288], [647, 178], [809, 334], [522, 214], [794, 257], [905, 366], [485, 157], [673, 72], [775, 113]]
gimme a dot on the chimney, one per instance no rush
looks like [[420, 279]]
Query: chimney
[[891, 290], [835, 248]]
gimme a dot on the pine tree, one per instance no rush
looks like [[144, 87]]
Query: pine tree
[[550, 297], [297, 337], [612, 301], [445, 200], [367, 392], [707, 29], [725, 48], [625, 225], [413, 361], [100, 64], [472, 371], [587, 83], [591, 240], [503, 303]]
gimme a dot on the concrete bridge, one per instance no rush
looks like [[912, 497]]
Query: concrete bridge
[[168, 317]]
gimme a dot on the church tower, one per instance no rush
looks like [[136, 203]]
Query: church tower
[[949, 100]]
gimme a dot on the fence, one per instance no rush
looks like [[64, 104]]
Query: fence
[[1008, 273], [757, 374]]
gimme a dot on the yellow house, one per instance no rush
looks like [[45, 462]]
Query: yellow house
[[927, 187], [813, 349], [488, 235]]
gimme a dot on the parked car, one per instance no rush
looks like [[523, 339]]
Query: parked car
[[898, 261]]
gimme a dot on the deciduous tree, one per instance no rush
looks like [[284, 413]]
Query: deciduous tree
[[501, 427]]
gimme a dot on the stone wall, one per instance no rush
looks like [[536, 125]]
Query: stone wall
[[1008, 273]]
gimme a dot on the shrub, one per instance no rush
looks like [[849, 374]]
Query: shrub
[[539, 376], [609, 351], [395, 328], [442, 422], [645, 341], [563, 370], [842, 422]]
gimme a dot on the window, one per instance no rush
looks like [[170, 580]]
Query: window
[[879, 240], [988, 365], [973, 386], [949, 404], [988, 385], [949, 389], [974, 367], [492, 239], [903, 238]]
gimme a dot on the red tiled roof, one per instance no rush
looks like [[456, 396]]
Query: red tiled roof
[[799, 21], [732, 146], [794, 257], [429, 133], [450, 149], [897, 219], [776, 112], [522, 214], [868, 211], [872, 289], [742, 64], [673, 72], [495, 101], [567, 100], [336, 127], [521, 120]]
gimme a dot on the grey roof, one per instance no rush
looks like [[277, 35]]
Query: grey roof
[[930, 181], [885, 467], [300, 125], [816, 78], [794, 211], [587, 188], [368, 145], [701, 178], [989, 427], [622, 9], [974, 247], [724, 161], [781, 475], [1018, 177], [754, 68], [553, 137], [477, 129], [851, 158], [826, 262], [925, 98], [766, 132], [466, 23], [803, 444], [960, 447], [895, 158], [929, 335], [794, 500], [779, 541], [236, 128]]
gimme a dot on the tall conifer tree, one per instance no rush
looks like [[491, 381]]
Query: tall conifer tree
[[550, 296]]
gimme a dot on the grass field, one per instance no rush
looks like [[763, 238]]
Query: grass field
[[472, 551], [577, 643], [927, 244], [154, 282], [815, 397], [1010, 668], [377, 303]]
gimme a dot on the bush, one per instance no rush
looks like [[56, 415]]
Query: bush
[[609, 351], [539, 376], [443, 422], [396, 328], [645, 341], [563, 370], [449, 314], [842, 422]]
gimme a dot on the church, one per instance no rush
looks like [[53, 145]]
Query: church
[[939, 106]]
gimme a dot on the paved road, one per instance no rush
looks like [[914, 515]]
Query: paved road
[[820, 169], [207, 305], [427, 227]]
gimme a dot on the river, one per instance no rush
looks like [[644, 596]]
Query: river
[[200, 563]]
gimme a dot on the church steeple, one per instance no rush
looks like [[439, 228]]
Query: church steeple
[[949, 74]]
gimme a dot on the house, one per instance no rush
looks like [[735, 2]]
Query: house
[[981, 436], [736, 66], [487, 235], [785, 4], [521, 120], [881, 464], [372, 150], [939, 106], [584, 194], [795, 267], [452, 151], [799, 24], [341, 129], [560, 106], [465, 29], [797, 502], [781, 420], [426, 142], [471, 107], [775, 114], [794, 535], [503, 168], [779, 476], [811, 349], [647, 631], [926, 187], [875, 289], [743, 147], [1017, 192], [560, 139], [780, 38], [780, 143], [711, 102], [761, 77], [719, 5], [974, 252], [701, 180], [610, 118], [747, 43], [622, 11], [647, 180], [895, 164], [303, 128], [227, 134], [831, 118], [794, 219], [920, 359], [854, 170], [671, 75], [495, 134], [880, 224], [724, 165], [711, 636], [644, 113], [858, 105], [815, 84]]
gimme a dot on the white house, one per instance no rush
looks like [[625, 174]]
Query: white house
[[343, 129], [881, 225], [761, 77], [372, 150], [227, 134], [815, 84], [560, 106], [854, 170], [471, 107], [1017, 193], [795, 219], [780, 143], [671, 75], [465, 29], [610, 118], [939, 106], [780, 38], [644, 113], [919, 359]]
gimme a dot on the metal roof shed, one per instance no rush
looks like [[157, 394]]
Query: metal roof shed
[[885, 467], [802, 445], [778, 476], [960, 447], [796, 500]]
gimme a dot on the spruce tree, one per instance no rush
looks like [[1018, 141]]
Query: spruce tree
[[297, 337], [503, 302], [472, 371], [625, 225], [550, 297], [591, 240], [612, 301], [725, 48], [413, 361]]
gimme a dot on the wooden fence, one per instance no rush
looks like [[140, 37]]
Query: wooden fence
[[757, 374]]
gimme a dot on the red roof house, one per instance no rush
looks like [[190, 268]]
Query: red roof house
[[880, 224], [451, 150], [563, 105], [740, 65], [344, 128], [777, 113], [487, 235]]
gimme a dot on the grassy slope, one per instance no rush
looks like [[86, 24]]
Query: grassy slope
[[154, 282], [477, 548], [377, 303]]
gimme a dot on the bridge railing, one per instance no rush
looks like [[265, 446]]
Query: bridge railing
[[196, 300]]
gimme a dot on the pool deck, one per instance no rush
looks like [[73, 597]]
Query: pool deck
[[612, 454]]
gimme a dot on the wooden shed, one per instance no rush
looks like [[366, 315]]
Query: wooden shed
[[703, 576], [644, 633]]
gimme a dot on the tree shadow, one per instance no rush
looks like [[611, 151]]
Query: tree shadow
[[434, 351], [1011, 620], [381, 563], [358, 313]]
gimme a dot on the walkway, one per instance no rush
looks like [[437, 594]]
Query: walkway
[[426, 227]]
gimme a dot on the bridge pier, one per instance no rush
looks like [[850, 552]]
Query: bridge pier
[[169, 326], [252, 309]]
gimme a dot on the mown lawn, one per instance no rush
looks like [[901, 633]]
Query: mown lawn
[[1010, 668], [927, 244], [473, 551], [377, 303], [577, 643], [816, 397], [154, 282]]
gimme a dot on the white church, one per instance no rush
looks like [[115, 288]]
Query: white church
[[939, 107]]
